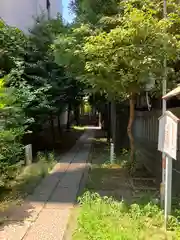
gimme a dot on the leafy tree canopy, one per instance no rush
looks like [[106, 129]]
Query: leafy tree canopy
[[90, 11], [125, 57]]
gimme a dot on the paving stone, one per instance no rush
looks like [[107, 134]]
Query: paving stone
[[58, 170], [72, 178], [58, 205], [62, 197], [50, 225], [43, 192], [82, 156]]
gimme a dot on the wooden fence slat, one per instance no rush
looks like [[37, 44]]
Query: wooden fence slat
[[146, 125]]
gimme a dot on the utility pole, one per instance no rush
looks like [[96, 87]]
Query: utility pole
[[164, 87]]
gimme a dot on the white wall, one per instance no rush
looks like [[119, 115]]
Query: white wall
[[20, 13], [55, 5], [40, 7]]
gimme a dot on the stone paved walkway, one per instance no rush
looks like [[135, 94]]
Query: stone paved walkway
[[44, 214]]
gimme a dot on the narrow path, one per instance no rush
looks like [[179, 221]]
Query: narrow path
[[44, 215]]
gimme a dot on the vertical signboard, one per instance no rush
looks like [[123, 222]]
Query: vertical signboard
[[167, 143], [167, 139]]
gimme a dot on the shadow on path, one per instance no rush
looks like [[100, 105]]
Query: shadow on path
[[57, 193]]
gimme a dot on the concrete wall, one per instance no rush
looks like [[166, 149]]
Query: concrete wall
[[20, 13]]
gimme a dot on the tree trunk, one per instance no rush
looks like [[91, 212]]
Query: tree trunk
[[59, 124], [77, 115], [109, 123], [82, 109], [113, 122], [52, 130], [68, 118], [129, 128]]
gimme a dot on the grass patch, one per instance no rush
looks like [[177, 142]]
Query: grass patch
[[79, 128], [104, 175], [108, 219], [110, 209], [26, 180]]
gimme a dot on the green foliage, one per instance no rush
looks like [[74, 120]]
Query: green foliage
[[12, 42], [12, 125], [98, 100], [67, 49], [25, 180], [106, 218], [34, 86], [87, 108], [44, 87], [129, 54], [41, 75], [55, 85], [125, 47], [90, 11], [12, 116]]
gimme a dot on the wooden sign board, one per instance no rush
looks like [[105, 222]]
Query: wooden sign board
[[167, 139]]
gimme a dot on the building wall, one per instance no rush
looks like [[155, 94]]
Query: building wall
[[11, 12], [20, 13], [55, 4]]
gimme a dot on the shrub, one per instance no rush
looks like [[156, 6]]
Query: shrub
[[12, 130]]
